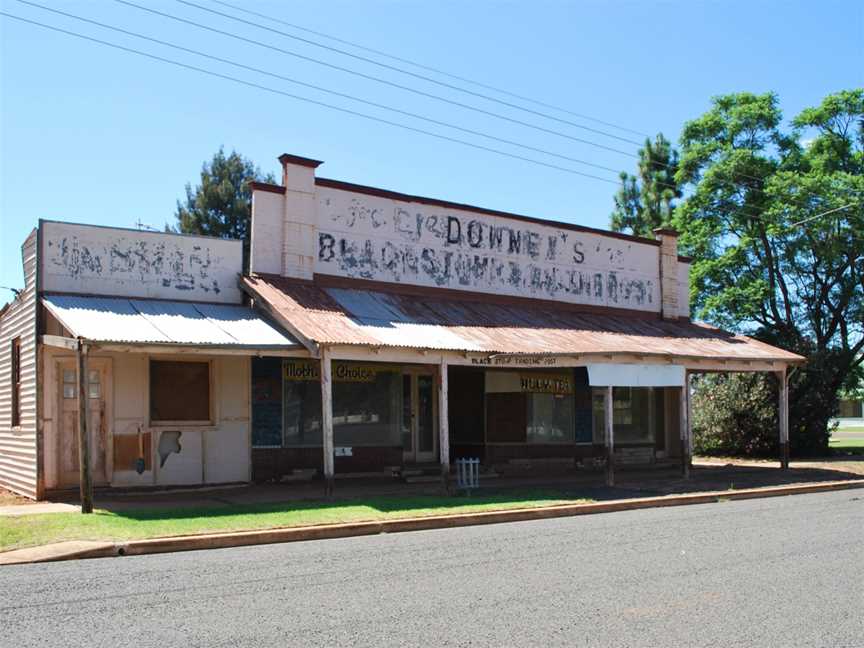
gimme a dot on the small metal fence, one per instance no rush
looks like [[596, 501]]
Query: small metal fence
[[467, 473]]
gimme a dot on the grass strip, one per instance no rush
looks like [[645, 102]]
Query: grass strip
[[32, 530]]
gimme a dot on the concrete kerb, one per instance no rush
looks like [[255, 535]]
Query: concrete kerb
[[86, 549]]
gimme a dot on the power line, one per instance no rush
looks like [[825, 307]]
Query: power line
[[752, 212], [429, 68], [394, 68], [319, 88], [345, 95], [390, 83], [425, 78], [371, 77], [830, 211], [305, 99]]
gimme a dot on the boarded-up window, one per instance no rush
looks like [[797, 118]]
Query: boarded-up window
[[179, 391], [16, 382]]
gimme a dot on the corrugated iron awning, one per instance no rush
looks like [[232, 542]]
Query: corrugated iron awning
[[402, 319], [120, 320]]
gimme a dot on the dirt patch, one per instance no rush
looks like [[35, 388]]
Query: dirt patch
[[853, 464], [8, 498]]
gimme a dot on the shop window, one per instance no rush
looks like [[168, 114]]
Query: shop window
[[622, 405], [179, 391], [633, 414], [302, 413], [286, 410], [530, 407], [366, 411], [551, 418], [16, 381]]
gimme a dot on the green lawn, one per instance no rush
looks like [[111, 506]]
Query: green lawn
[[32, 530]]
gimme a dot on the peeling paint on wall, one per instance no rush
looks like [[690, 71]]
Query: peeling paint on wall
[[98, 260], [381, 239]]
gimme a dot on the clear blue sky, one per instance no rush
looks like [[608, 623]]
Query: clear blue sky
[[95, 135]]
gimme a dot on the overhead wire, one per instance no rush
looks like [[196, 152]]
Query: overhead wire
[[400, 70], [304, 99], [322, 89], [317, 87], [399, 86], [752, 213], [371, 77], [378, 63], [429, 68]]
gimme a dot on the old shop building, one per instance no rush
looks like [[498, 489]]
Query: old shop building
[[433, 330], [158, 323], [376, 333]]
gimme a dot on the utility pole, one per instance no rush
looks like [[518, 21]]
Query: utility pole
[[85, 476]]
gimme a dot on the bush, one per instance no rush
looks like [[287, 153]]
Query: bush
[[737, 414]]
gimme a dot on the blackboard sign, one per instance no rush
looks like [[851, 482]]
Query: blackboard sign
[[267, 402]]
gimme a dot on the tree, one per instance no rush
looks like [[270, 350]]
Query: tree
[[645, 201], [768, 259], [221, 205]]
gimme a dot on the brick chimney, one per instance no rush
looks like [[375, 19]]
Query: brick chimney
[[669, 306]]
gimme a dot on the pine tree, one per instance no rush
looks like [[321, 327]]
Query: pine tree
[[221, 205], [646, 201]]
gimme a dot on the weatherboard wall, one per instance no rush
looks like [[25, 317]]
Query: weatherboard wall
[[19, 447]]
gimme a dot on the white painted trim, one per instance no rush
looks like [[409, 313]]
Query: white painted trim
[[635, 375]]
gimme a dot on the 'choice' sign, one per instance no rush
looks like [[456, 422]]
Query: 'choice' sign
[[302, 370]]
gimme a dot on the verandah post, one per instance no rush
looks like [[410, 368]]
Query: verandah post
[[85, 477], [609, 437], [443, 425], [327, 421], [783, 416], [685, 427]]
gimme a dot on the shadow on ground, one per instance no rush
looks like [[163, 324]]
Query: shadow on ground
[[389, 495]]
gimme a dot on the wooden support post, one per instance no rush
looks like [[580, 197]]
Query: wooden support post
[[443, 426], [783, 406], [685, 427], [609, 438], [327, 421], [85, 476]]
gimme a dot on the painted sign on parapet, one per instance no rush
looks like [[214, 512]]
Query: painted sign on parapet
[[94, 260], [371, 237]]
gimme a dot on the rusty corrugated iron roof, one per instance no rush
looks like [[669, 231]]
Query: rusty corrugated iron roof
[[390, 318]]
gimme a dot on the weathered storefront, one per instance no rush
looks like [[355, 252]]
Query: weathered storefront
[[155, 324], [377, 334], [435, 330]]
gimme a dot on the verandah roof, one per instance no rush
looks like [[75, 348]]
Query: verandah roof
[[402, 319], [121, 320]]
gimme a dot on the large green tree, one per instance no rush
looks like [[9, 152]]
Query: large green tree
[[645, 201], [775, 223], [221, 204]]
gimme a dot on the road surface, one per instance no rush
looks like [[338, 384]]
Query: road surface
[[777, 572]]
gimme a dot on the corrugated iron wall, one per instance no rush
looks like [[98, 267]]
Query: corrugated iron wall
[[18, 446]]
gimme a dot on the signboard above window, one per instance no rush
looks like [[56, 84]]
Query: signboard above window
[[310, 370]]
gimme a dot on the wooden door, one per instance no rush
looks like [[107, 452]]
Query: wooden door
[[97, 424]]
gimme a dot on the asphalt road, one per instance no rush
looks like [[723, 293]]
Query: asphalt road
[[776, 572]]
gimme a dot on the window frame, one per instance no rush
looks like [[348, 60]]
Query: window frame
[[210, 422], [15, 381]]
